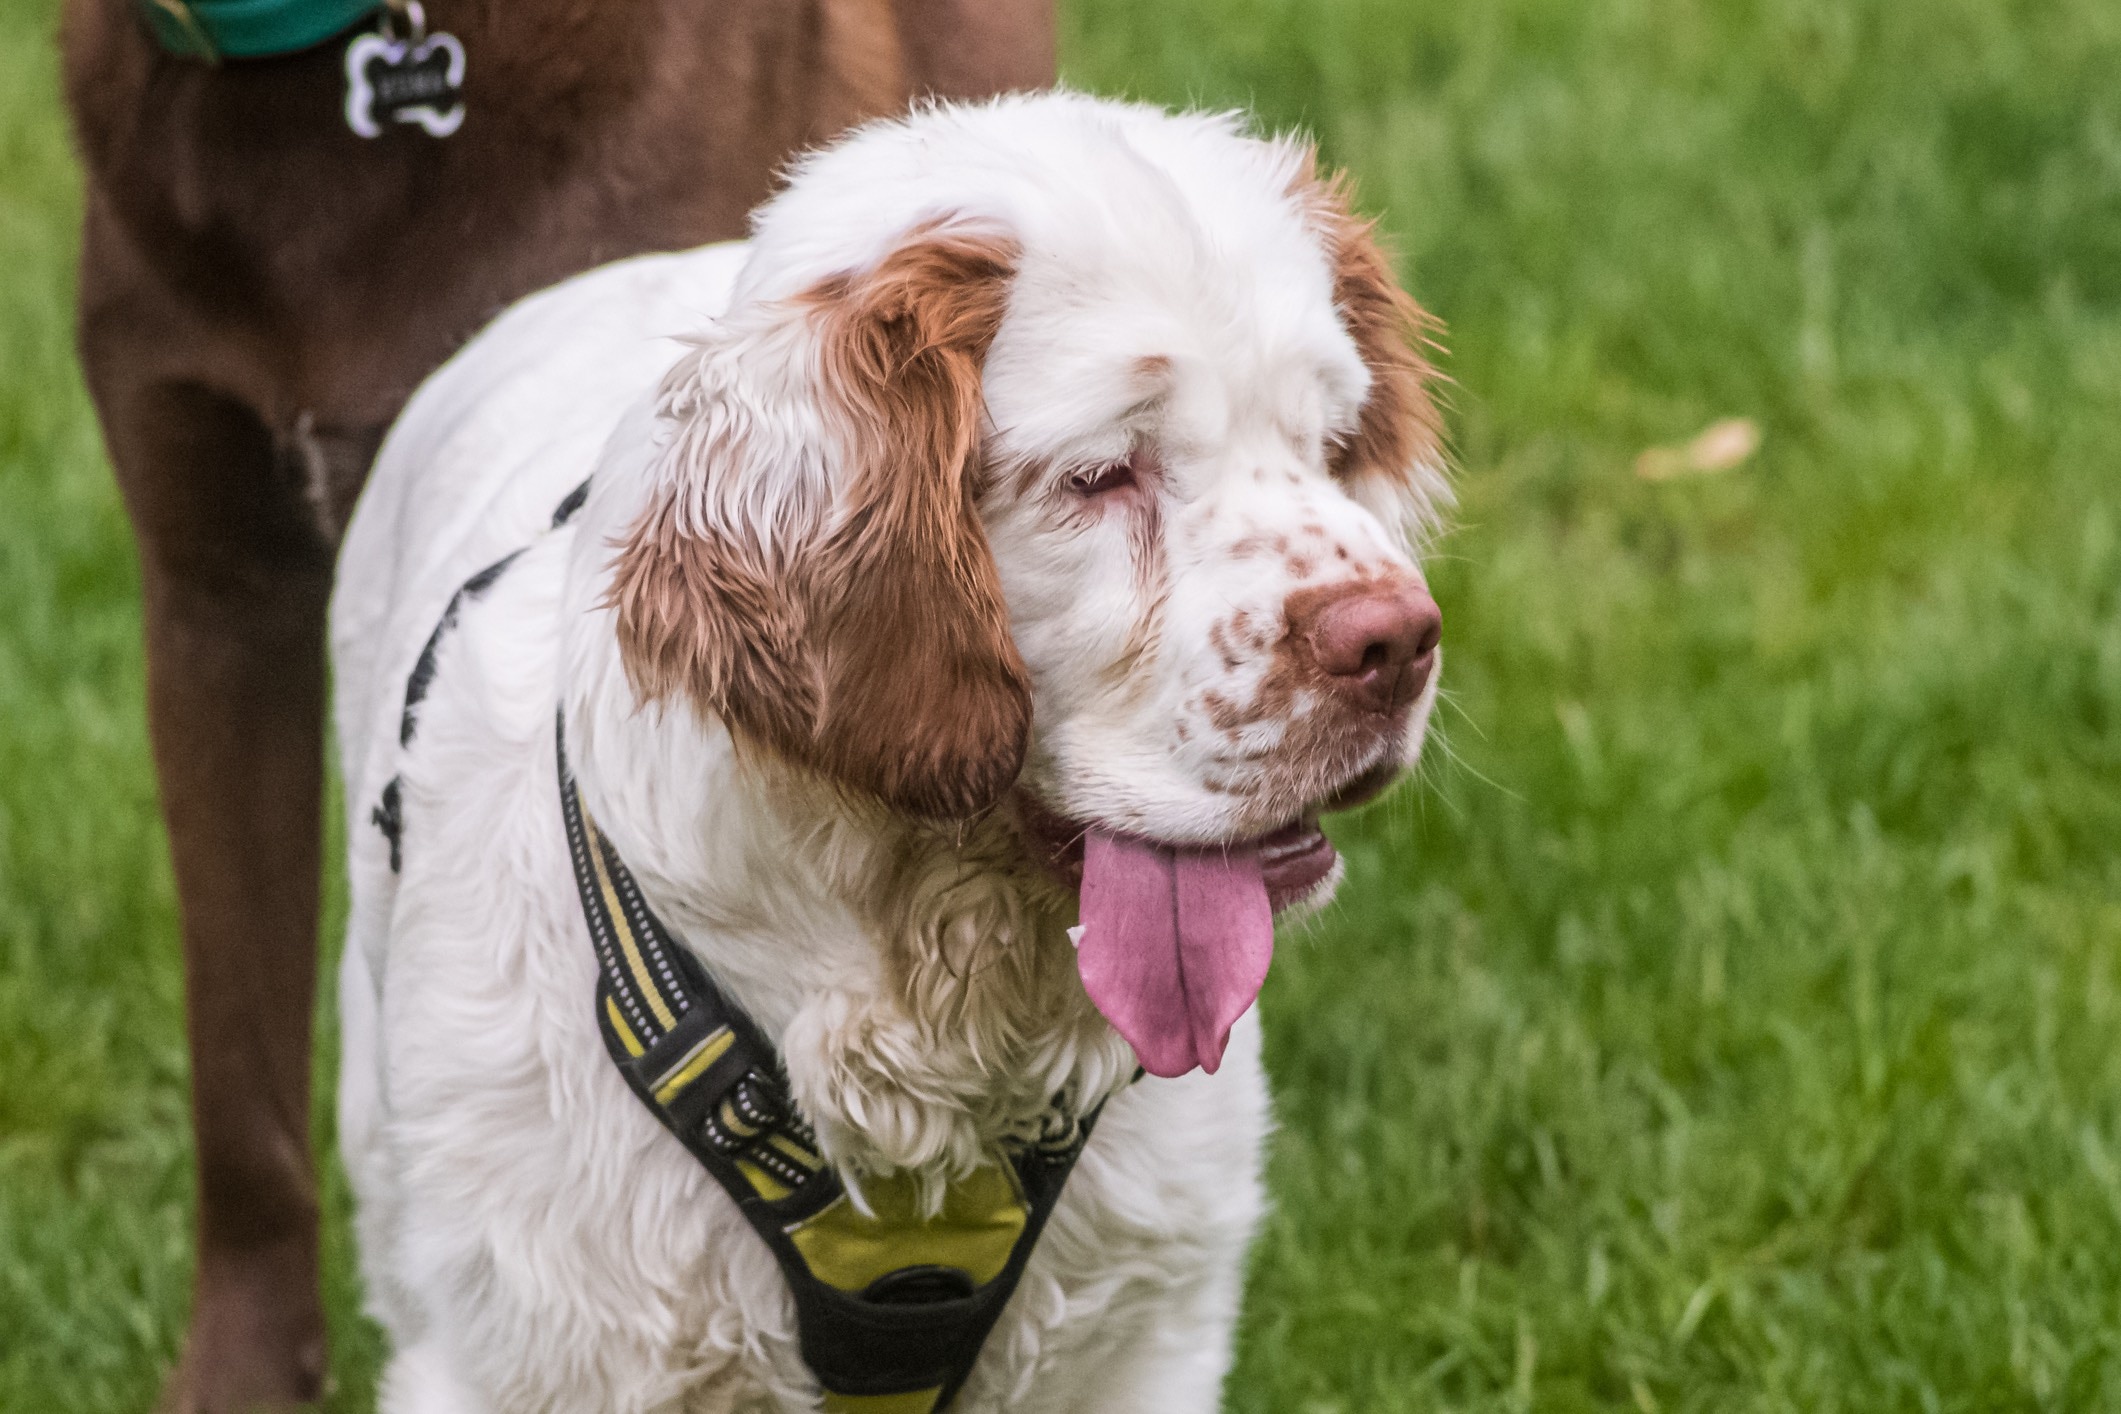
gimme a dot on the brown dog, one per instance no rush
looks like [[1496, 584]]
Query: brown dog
[[260, 291]]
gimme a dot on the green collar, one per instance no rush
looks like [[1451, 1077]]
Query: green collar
[[250, 29]]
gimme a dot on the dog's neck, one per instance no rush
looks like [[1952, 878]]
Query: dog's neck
[[917, 979]]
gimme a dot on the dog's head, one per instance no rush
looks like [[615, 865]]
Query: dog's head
[[1060, 456]]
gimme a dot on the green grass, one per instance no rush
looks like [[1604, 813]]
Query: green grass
[[1732, 1018]]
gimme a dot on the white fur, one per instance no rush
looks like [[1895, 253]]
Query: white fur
[[532, 1239]]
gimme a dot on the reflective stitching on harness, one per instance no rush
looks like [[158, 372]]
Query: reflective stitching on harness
[[893, 1304], [618, 1024], [600, 934], [641, 925], [628, 942]]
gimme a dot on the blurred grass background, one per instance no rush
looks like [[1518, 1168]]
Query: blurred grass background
[[1731, 1019]]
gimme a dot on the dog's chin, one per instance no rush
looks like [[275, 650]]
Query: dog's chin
[[1315, 898], [1298, 863]]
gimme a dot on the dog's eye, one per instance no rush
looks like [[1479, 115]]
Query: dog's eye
[[1103, 480]]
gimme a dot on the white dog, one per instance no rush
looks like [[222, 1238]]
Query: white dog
[[1013, 535]]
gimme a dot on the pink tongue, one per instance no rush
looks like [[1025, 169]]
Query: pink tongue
[[1175, 945]]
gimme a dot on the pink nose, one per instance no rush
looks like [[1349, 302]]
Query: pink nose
[[1374, 643]]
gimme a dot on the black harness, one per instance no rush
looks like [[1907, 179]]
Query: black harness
[[893, 1304]]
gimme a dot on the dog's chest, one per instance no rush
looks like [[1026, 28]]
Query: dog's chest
[[609, 1266], [531, 1192]]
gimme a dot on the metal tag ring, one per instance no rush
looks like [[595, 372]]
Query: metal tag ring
[[414, 17]]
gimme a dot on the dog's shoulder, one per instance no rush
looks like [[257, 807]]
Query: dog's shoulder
[[485, 451], [470, 476]]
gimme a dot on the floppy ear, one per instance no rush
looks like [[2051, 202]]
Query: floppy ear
[[811, 566], [1398, 437]]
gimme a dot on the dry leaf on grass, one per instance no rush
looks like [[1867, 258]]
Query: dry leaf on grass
[[1721, 445]]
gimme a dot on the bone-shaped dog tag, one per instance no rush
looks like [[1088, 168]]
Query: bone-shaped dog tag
[[415, 79]]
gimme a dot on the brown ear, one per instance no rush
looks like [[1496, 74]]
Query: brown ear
[[873, 643], [1399, 433]]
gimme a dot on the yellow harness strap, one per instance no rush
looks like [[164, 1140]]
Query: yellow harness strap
[[892, 1304]]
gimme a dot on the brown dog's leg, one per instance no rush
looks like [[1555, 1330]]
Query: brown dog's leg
[[236, 580]]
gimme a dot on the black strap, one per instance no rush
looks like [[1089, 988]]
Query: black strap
[[389, 812], [703, 1069]]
